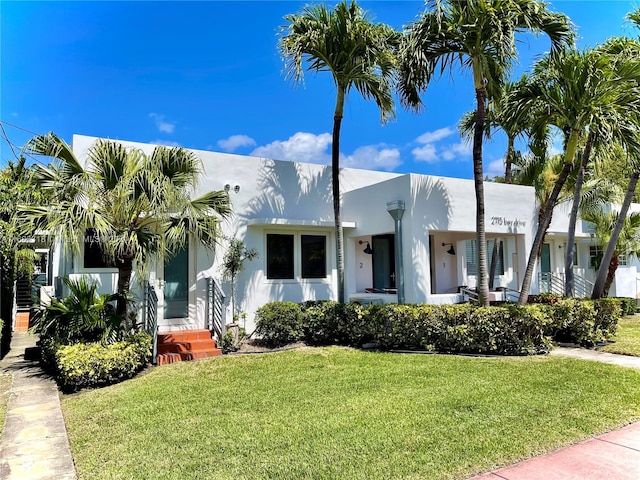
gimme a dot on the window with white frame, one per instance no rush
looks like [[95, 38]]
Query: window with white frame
[[291, 256], [623, 260], [595, 256], [471, 247]]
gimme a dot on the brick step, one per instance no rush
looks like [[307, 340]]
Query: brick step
[[167, 358], [179, 336], [179, 347], [184, 345]]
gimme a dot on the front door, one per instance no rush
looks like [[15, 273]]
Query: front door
[[545, 268], [384, 263], [175, 289]]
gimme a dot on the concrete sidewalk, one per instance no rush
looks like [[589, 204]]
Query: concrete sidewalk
[[612, 456], [34, 442]]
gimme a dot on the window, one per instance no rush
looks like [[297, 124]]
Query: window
[[472, 257], [94, 254], [280, 256], [295, 255], [595, 256], [623, 260], [314, 256]]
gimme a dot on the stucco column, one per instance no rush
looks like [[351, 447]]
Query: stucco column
[[396, 210]]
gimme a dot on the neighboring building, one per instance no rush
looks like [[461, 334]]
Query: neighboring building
[[284, 210]]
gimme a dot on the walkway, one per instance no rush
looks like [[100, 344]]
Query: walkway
[[612, 456], [34, 442]]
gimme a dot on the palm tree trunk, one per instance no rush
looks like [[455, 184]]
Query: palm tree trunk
[[573, 218], [478, 178], [611, 274], [598, 287], [508, 159], [544, 223], [335, 181], [125, 267]]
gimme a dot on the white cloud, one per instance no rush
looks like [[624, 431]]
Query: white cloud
[[461, 149], [161, 124], [426, 153], [431, 151], [494, 169], [373, 157], [435, 136], [166, 143], [236, 141], [300, 147]]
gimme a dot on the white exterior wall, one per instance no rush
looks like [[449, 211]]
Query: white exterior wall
[[295, 198]]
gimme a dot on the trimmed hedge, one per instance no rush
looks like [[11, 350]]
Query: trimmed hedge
[[465, 328], [279, 323], [629, 305], [90, 365]]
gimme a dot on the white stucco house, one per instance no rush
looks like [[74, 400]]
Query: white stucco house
[[284, 211]]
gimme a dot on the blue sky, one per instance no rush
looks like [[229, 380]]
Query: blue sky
[[207, 75]]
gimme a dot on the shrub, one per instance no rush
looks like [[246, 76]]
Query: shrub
[[84, 315], [545, 298], [90, 365], [279, 323], [585, 322], [629, 305]]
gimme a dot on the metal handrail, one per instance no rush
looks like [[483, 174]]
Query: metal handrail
[[472, 294], [151, 319], [215, 321]]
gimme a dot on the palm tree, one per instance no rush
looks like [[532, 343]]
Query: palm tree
[[627, 53], [139, 205], [628, 242], [480, 35], [577, 92], [358, 54]]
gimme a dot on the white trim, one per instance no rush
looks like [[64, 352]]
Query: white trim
[[298, 223]]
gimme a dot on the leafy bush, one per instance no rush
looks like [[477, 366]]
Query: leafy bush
[[84, 315], [327, 323], [464, 328], [90, 365], [585, 322], [629, 305], [279, 323], [507, 329], [545, 298]]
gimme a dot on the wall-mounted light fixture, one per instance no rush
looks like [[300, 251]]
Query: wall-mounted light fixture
[[227, 188], [451, 251], [368, 250], [236, 188]]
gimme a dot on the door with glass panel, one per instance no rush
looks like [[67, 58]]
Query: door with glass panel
[[175, 286]]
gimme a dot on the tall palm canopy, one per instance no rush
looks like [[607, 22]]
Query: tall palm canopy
[[480, 35], [359, 54], [139, 205]]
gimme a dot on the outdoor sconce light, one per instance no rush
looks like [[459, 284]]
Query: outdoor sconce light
[[227, 188], [451, 250], [367, 249], [236, 188]]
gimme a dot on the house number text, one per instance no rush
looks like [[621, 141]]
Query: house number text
[[516, 222]]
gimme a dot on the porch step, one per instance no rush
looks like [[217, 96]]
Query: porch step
[[184, 345]]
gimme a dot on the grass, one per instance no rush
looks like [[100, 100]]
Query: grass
[[331, 413], [5, 388], [627, 339]]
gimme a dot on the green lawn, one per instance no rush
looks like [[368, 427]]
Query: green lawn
[[5, 388], [627, 339], [337, 413]]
